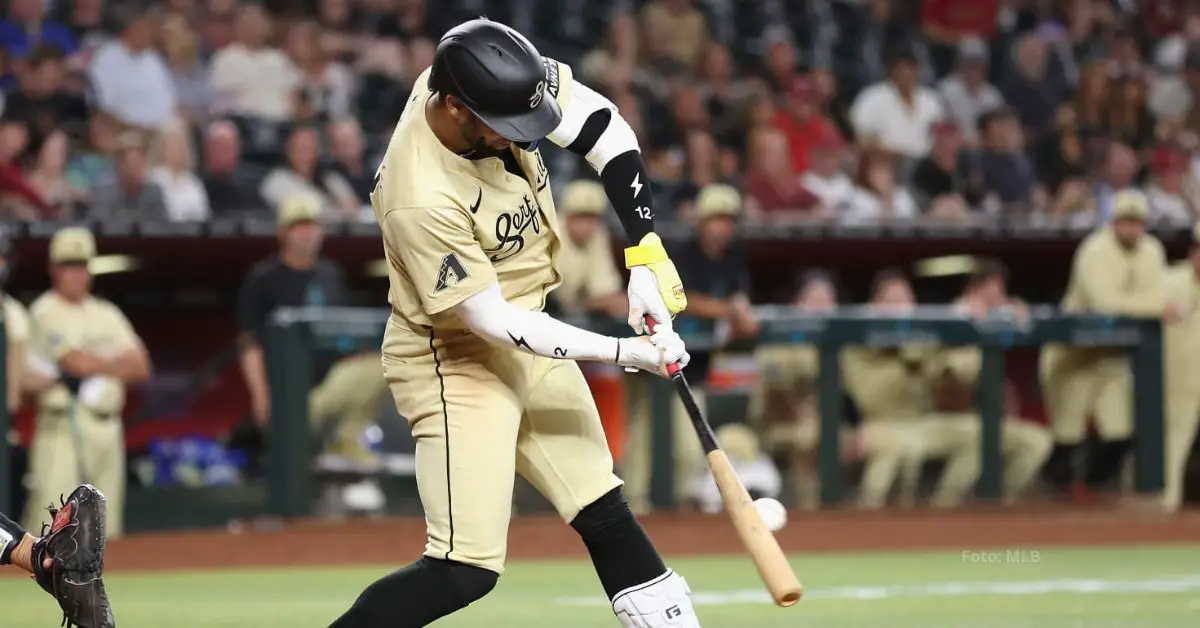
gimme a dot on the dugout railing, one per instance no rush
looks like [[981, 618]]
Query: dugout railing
[[295, 332]]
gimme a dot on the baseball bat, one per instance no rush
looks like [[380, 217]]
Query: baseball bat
[[759, 541]]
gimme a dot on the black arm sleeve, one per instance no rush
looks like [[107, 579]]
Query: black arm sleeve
[[628, 188], [624, 177]]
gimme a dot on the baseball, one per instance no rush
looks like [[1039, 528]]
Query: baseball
[[772, 512]]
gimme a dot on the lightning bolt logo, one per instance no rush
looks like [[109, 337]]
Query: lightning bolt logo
[[636, 186], [519, 341]]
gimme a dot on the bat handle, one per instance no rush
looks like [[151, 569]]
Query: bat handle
[[672, 369]]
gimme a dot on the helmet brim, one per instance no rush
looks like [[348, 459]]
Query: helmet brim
[[531, 126]]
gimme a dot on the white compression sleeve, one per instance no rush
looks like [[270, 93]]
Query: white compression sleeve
[[598, 138], [499, 322]]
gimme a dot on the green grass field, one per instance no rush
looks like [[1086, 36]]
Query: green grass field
[[1148, 587]]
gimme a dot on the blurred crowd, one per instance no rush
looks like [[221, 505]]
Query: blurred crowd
[[848, 110]]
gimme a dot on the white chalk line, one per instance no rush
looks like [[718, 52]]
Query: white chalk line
[[934, 590]]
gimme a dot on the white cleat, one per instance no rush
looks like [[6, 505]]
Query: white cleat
[[663, 602]]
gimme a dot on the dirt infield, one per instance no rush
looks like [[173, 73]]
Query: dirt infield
[[401, 540]]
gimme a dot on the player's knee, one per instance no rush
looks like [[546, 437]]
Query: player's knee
[[610, 508], [470, 582]]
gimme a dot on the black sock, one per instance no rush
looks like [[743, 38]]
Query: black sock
[[418, 595], [10, 535], [1059, 470], [621, 552], [1104, 462]]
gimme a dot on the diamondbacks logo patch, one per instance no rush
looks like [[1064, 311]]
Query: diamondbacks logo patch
[[450, 273]]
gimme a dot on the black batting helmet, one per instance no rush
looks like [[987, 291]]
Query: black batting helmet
[[500, 77]]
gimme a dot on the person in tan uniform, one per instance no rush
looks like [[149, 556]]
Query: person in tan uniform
[[954, 371], [347, 389], [16, 335], [590, 281], [754, 468], [713, 265], [1181, 346], [890, 386], [783, 408], [16, 331], [592, 285], [83, 353], [488, 382], [1117, 270]]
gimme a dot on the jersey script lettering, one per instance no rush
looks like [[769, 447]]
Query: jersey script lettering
[[511, 227]]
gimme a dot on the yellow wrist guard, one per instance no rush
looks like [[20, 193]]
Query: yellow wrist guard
[[651, 254], [646, 252]]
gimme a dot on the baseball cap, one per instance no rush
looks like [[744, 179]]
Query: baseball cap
[[739, 441], [584, 197], [972, 49], [72, 245], [718, 199], [297, 209], [1130, 204]]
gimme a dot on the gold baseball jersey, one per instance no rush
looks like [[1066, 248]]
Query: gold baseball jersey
[[888, 384], [94, 325], [588, 271], [1181, 341], [452, 225], [1107, 278], [788, 369], [16, 320]]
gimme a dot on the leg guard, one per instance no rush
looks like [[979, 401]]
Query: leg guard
[[660, 603]]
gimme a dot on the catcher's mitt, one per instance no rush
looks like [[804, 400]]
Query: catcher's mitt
[[75, 543]]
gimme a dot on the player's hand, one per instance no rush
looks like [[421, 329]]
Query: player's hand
[[1173, 313], [654, 285], [654, 352], [80, 363], [260, 409]]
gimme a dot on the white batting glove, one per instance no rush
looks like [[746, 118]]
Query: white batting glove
[[653, 353], [645, 297]]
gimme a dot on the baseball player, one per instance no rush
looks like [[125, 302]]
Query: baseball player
[[890, 388], [784, 405], [488, 382], [1118, 270], [954, 374], [83, 353], [16, 329], [1181, 347], [68, 559], [591, 282]]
